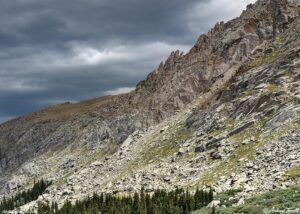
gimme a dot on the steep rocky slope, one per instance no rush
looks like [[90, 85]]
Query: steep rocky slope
[[226, 114]]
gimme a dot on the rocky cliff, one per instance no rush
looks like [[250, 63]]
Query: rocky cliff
[[226, 114]]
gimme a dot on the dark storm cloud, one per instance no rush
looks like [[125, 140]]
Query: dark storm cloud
[[55, 51], [56, 20]]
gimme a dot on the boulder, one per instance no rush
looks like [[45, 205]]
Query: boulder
[[167, 179], [214, 203], [250, 165], [96, 164], [200, 148], [214, 143], [241, 128], [149, 188], [241, 202], [215, 155]]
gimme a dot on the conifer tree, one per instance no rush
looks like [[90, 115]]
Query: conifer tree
[[213, 210], [160, 202]]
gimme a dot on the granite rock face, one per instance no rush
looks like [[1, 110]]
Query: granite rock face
[[226, 114]]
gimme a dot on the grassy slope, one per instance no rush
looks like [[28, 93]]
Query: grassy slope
[[282, 199]]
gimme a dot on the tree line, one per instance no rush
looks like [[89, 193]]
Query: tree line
[[178, 201], [160, 202], [24, 197]]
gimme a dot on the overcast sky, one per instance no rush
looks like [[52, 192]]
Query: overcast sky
[[53, 51]]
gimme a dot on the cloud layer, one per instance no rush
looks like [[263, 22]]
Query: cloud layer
[[55, 51]]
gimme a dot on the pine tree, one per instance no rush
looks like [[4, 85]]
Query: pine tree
[[135, 206], [213, 210], [142, 203], [210, 195]]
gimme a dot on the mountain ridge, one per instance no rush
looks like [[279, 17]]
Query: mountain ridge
[[222, 57]]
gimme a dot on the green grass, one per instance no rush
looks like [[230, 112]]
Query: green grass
[[91, 156], [225, 197], [229, 122], [282, 199], [268, 58], [159, 148], [247, 93], [288, 73], [166, 147], [272, 88], [292, 174], [216, 132]]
